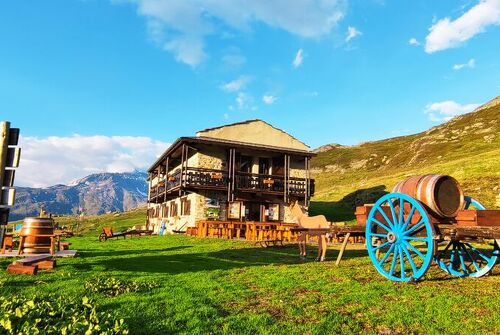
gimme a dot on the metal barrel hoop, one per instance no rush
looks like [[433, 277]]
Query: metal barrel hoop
[[462, 259]]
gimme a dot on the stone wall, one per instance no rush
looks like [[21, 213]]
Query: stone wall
[[215, 159], [297, 169]]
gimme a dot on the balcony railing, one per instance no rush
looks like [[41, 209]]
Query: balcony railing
[[219, 179], [208, 178], [259, 182]]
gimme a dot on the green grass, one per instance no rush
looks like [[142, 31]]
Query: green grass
[[230, 287]]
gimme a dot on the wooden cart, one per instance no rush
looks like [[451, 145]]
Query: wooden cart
[[402, 238]]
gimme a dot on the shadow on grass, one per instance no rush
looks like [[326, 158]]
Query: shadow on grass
[[218, 260], [343, 210], [121, 252]]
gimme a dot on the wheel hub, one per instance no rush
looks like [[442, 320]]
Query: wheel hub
[[391, 237]]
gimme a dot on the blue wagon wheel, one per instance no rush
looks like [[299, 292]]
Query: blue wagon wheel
[[461, 259], [400, 237]]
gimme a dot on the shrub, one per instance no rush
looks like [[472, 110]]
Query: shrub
[[111, 287], [56, 315]]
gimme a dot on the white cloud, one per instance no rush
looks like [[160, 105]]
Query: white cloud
[[234, 60], [269, 99], [297, 61], [352, 32], [181, 26], [59, 160], [445, 33], [237, 84], [241, 100], [446, 110], [470, 64], [413, 41]]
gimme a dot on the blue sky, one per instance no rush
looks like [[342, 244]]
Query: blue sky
[[138, 74]]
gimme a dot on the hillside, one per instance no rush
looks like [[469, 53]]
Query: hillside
[[95, 194], [466, 147]]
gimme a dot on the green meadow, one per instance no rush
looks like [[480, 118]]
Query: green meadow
[[185, 285]]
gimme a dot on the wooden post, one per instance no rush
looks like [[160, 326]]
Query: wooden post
[[229, 175], [307, 190], [166, 179], [344, 245], [286, 177]]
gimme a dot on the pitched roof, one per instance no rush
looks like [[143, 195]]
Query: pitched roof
[[248, 122]]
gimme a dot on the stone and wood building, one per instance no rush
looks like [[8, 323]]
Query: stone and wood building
[[246, 171]]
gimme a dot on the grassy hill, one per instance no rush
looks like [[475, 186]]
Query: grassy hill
[[467, 147]]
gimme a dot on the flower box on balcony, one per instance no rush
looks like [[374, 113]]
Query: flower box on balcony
[[268, 181], [216, 175]]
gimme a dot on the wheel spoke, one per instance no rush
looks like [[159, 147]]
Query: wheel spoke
[[477, 267], [391, 249], [447, 247], [378, 235], [395, 220], [467, 202], [401, 211], [394, 259], [410, 260], [381, 224], [402, 263], [415, 250], [462, 262], [381, 246], [414, 227], [408, 219], [412, 238], [385, 217], [487, 259]]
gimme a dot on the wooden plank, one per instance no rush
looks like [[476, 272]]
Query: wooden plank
[[22, 269], [46, 265], [458, 232], [33, 259], [342, 249]]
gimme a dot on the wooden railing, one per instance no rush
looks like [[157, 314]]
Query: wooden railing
[[219, 179], [206, 178], [259, 182]]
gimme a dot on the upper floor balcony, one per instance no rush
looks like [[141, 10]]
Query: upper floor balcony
[[211, 179]]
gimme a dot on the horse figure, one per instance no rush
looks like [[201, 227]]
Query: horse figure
[[304, 221]]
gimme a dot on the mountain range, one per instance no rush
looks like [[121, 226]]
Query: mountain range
[[95, 194]]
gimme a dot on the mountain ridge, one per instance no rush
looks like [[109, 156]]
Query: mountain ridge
[[94, 194], [466, 147]]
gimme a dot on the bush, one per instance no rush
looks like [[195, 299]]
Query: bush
[[56, 315], [111, 287]]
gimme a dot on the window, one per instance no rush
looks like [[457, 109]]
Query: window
[[173, 209], [263, 165], [246, 164], [164, 210], [185, 206]]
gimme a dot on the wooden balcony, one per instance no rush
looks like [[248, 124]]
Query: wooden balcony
[[210, 179]]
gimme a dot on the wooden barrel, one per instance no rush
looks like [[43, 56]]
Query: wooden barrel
[[37, 226], [442, 194]]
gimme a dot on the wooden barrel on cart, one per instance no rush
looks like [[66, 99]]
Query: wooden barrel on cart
[[441, 194], [32, 228]]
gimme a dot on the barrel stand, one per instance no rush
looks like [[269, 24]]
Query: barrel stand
[[53, 241]]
